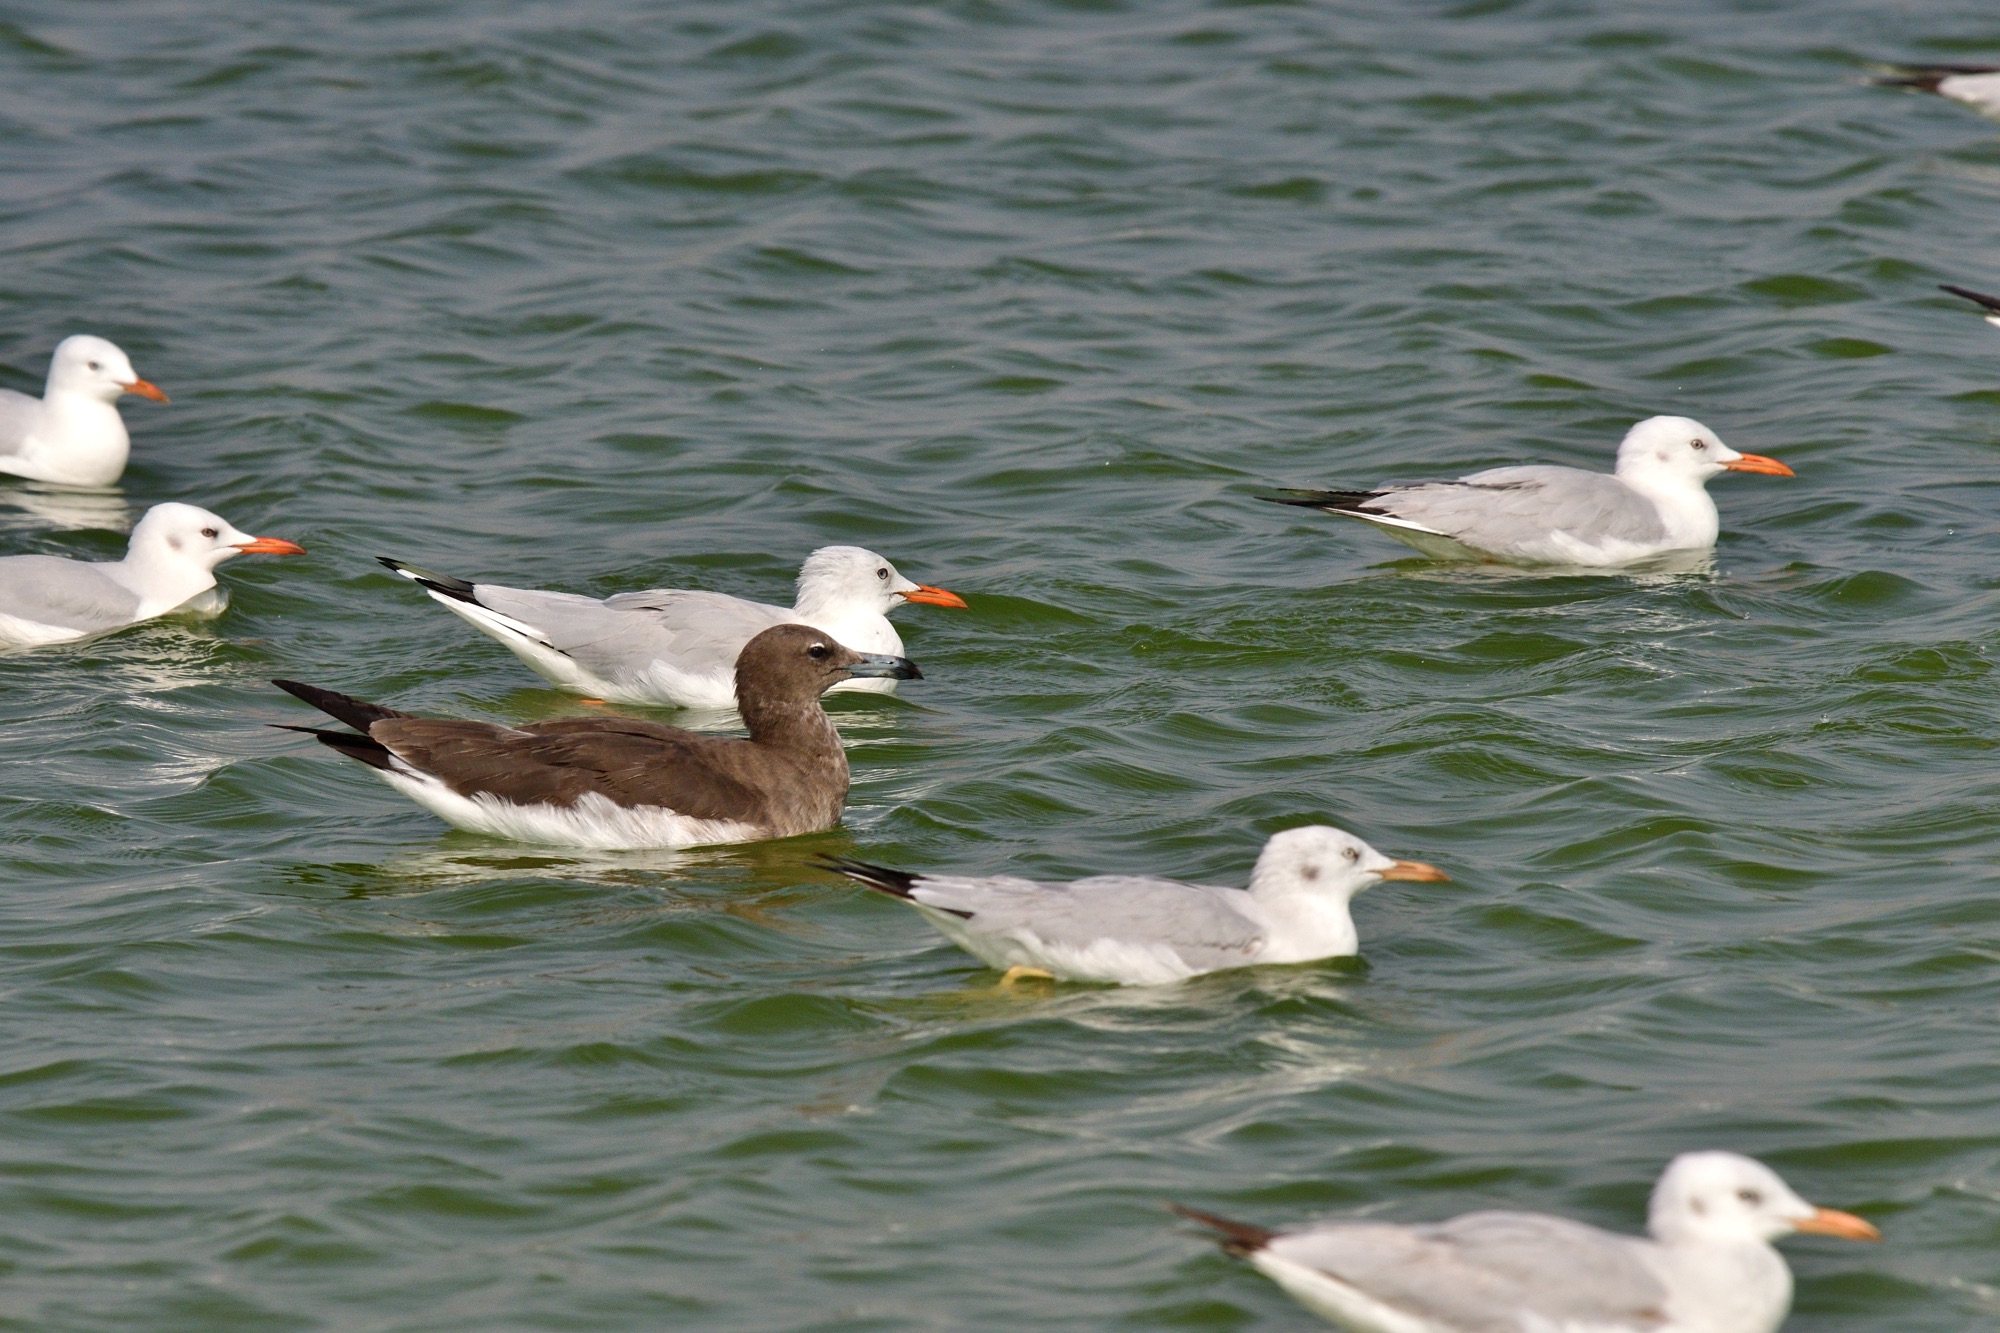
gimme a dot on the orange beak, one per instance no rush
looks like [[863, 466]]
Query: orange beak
[[270, 546], [1416, 870], [1770, 467], [1831, 1222], [930, 596], [146, 389]]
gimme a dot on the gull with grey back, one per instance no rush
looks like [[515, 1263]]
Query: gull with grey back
[[1135, 930], [1655, 503], [169, 565], [1708, 1266], [72, 435], [676, 645], [612, 782]]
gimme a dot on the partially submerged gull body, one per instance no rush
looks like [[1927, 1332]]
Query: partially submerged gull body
[[1708, 1266], [1136, 930], [1655, 503], [618, 782]]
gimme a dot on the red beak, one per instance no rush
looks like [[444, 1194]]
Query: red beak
[[146, 389], [933, 596], [270, 546]]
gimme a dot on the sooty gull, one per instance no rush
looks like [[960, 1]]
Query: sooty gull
[[169, 561], [1655, 502], [1978, 86], [1135, 930], [72, 435], [674, 645], [1708, 1267], [620, 782]]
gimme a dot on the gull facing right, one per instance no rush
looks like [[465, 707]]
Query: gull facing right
[[1135, 930], [1655, 503], [169, 562], [72, 435], [1708, 1267], [676, 645]]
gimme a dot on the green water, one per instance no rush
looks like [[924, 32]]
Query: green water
[[1032, 298]]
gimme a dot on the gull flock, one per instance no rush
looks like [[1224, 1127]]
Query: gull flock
[[609, 781]]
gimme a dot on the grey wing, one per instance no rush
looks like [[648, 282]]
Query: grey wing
[[1484, 1272], [1514, 506], [1199, 922], [623, 635], [18, 413], [72, 594]]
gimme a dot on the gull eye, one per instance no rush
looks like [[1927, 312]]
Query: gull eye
[[1352, 853], [97, 365], [882, 573], [1697, 445], [210, 533], [817, 652], [1754, 1198]]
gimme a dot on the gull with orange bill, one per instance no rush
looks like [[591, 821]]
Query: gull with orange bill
[[1136, 930], [1655, 503], [169, 566], [1708, 1266], [72, 435], [678, 646]]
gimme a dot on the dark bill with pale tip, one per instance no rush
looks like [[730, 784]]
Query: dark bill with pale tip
[[146, 389], [1416, 870], [1833, 1222], [930, 596], [882, 664], [1769, 467], [270, 546]]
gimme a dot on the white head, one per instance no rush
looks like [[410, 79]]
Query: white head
[[846, 578], [1680, 452], [178, 535], [1321, 861], [1723, 1198], [96, 369]]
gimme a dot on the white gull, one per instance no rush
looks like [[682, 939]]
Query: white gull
[[169, 561], [1708, 1267], [679, 646], [72, 435], [1136, 930], [1654, 503]]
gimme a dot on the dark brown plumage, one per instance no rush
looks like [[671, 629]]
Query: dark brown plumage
[[1237, 1238], [788, 777]]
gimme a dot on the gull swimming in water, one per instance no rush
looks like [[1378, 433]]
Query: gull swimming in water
[[169, 562], [679, 646], [620, 782], [1654, 503], [1707, 1268], [1135, 930], [72, 435]]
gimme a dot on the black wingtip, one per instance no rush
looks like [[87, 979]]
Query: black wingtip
[[1237, 1238], [886, 879], [1978, 298], [1331, 501], [431, 579], [356, 713], [1926, 78]]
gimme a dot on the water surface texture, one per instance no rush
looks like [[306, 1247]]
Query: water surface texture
[[1033, 298]]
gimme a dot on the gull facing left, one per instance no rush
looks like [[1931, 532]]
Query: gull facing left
[[1135, 930], [1708, 1266], [169, 561], [72, 435]]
